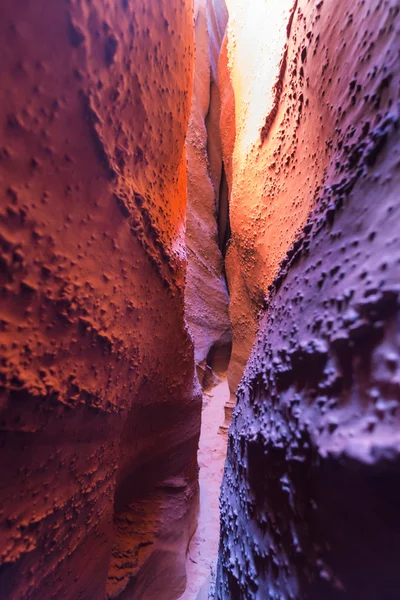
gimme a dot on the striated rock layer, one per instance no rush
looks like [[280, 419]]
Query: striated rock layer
[[206, 297], [310, 498], [99, 424]]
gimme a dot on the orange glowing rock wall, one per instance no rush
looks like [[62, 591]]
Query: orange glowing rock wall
[[206, 296], [99, 423], [265, 210], [310, 498]]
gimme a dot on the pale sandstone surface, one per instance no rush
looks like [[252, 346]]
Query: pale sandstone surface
[[206, 297]]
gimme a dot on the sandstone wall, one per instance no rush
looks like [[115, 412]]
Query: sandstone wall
[[206, 297], [99, 423], [310, 495], [263, 219]]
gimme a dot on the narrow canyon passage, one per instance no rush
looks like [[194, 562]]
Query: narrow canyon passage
[[203, 547], [199, 299]]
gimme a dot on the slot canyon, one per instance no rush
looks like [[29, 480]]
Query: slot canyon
[[200, 299]]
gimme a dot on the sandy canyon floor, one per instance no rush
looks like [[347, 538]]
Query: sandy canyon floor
[[203, 548]]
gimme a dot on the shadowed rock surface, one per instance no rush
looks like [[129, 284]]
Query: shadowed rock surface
[[311, 488]]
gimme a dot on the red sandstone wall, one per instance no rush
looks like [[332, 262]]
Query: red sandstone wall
[[206, 297], [99, 424], [310, 499]]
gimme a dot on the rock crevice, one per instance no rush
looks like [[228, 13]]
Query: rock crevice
[[206, 296]]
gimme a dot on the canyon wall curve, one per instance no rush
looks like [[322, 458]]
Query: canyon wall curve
[[264, 213], [99, 424], [309, 501], [206, 296]]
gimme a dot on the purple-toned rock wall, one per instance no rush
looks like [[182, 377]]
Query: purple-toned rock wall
[[311, 492]]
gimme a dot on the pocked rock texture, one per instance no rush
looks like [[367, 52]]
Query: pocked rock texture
[[310, 498], [206, 297], [99, 424], [263, 218]]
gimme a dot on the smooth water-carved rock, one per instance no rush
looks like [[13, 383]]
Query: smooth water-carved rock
[[206, 297]]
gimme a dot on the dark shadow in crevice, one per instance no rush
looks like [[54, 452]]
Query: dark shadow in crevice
[[223, 222], [219, 354]]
